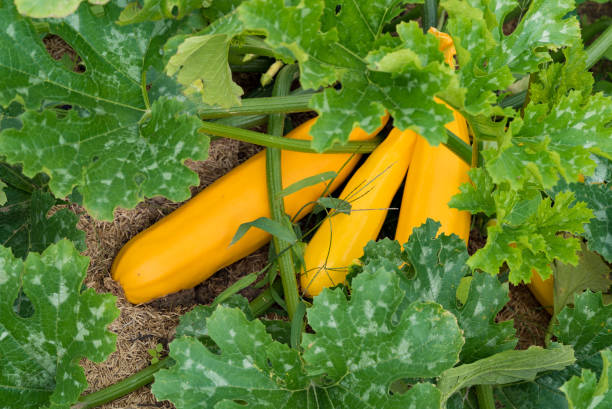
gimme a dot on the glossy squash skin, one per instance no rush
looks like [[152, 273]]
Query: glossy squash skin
[[192, 243], [434, 177], [543, 290], [340, 239]]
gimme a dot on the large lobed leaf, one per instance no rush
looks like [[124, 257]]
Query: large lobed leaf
[[357, 351], [526, 233], [39, 354], [343, 41], [109, 145], [439, 264]]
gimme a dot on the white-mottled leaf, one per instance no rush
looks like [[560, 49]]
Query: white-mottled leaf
[[357, 351], [108, 145], [587, 326], [39, 355]]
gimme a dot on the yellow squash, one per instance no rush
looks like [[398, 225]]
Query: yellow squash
[[543, 290], [434, 177], [341, 238], [193, 242]]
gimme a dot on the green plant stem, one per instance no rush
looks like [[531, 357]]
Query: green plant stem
[[122, 388], [598, 48], [270, 141], [474, 162], [459, 147], [244, 122], [430, 14], [484, 393], [254, 45], [275, 186], [264, 300], [412, 14], [268, 105]]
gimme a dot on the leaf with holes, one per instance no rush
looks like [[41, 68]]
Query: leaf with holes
[[488, 59], [109, 145], [39, 354], [357, 351], [24, 222], [344, 41]]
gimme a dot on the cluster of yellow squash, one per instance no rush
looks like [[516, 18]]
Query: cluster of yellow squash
[[192, 243], [189, 245]]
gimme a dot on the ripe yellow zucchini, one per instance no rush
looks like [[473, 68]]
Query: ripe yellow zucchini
[[543, 290], [193, 242], [434, 177], [341, 238]]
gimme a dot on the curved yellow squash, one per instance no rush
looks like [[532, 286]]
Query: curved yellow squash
[[193, 242], [341, 238], [434, 177]]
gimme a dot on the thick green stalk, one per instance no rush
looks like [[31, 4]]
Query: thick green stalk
[[275, 186], [254, 45], [216, 129], [122, 388], [484, 393], [459, 147], [430, 14], [255, 106], [599, 47]]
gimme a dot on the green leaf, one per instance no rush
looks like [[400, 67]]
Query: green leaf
[[3, 197], [548, 142], [307, 182], [273, 227], [377, 72], [476, 196], [586, 392], [587, 326], [109, 145], [214, 77], [591, 273], [339, 205], [488, 58], [24, 222], [40, 354], [158, 9], [542, 393], [358, 349], [598, 197], [506, 367], [531, 240], [439, 266], [45, 8]]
